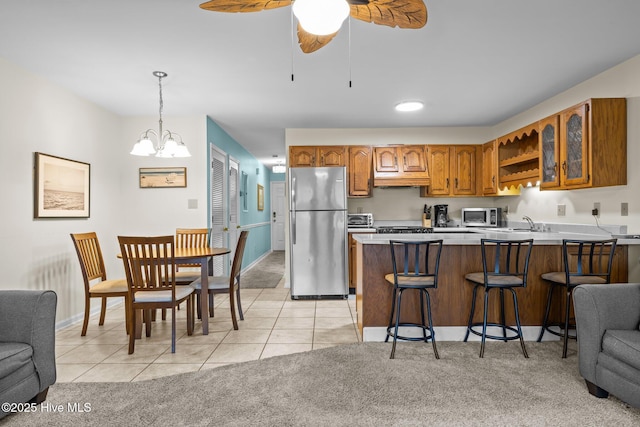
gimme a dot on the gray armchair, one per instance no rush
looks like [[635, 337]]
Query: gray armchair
[[608, 322], [27, 346]]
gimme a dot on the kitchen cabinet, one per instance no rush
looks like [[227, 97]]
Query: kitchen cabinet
[[452, 171], [585, 145], [400, 165], [312, 156], [489, 169], [549, 134], [518, 158], [360, 171]]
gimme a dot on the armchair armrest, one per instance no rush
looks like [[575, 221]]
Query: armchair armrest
[[30, 317], [599, 308]]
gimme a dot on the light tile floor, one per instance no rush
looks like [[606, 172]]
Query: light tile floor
[[274, 325]]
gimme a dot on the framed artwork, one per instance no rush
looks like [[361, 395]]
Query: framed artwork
[[260, 197], [61, 187], [163, 177]]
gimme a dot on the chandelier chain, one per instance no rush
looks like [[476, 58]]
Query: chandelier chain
[[161, 101]]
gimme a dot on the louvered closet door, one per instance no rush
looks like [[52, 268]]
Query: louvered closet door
[[234, 205], [218, 177]]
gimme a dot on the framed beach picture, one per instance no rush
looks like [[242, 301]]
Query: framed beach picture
[[163, 177], [61, 187], [260, 197]]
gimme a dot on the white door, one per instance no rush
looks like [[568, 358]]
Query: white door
[[218, 185], [234, 206], [277, 215]]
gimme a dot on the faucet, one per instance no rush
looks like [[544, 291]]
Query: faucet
[[532, 226]]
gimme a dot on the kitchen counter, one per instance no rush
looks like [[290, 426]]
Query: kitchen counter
[[472, 236], [451, 301]]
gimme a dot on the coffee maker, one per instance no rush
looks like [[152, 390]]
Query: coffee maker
[[440, 215]]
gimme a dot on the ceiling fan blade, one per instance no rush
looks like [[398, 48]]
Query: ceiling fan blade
[[311, 42], [393, 13], [243, 5]]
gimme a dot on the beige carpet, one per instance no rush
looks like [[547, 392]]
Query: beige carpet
[[267, 273], [354, 385]]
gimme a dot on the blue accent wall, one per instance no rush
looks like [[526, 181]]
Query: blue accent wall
[[257, 222]]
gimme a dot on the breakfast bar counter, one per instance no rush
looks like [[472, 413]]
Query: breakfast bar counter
[[461, 254]]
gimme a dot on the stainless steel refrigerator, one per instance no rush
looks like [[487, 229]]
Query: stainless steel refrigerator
[[318, 232]]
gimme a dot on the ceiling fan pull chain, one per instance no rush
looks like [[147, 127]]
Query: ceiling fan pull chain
[[349, 50], [292, 43]]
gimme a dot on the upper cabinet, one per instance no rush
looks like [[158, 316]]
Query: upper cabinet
[[360, 171], [518, 158], [312, 156], [452, 171], [489, 169], [585, 146], [400, 165], [549, 140]]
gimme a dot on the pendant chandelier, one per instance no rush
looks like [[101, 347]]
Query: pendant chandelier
[[166, 144]]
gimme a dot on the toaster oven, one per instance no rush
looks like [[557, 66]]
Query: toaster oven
[[361, 220]]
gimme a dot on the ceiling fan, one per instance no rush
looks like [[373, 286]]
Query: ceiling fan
[[393, 13]]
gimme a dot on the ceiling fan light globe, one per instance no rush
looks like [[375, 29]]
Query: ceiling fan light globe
[[321, 17]]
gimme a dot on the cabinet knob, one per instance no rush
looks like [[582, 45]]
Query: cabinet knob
[[447, 182], [564, 168]]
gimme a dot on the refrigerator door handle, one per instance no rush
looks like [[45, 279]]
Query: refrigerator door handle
[[293, 210], [293, 227], [293, 193]]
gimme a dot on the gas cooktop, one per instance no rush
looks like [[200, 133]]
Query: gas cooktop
[[403, 229]]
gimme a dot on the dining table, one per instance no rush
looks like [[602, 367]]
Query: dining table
[[199, 256]]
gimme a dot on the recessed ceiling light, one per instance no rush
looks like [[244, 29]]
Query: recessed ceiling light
[[409, 106]]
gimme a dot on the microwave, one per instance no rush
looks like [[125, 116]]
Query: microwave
[[361, 220], [481, 217]]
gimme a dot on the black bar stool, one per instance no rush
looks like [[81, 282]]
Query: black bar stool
[[421, 260], [507, 269], [584, 262]]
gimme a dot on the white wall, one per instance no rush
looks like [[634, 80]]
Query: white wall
[[36, 115]]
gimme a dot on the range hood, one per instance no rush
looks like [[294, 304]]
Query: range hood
[[401, 182]]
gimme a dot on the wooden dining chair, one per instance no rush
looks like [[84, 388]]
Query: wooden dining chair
[[94, 275], [190, 238], [149, 264], [224, 284]]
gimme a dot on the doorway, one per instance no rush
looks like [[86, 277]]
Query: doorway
[[277, 215], [218, 180]]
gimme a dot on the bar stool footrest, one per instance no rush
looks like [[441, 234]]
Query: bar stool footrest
[[495, 337], [561, 332], [390, 332]]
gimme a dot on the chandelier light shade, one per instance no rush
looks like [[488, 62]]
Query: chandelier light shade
[[166, 144], [321, 17]]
